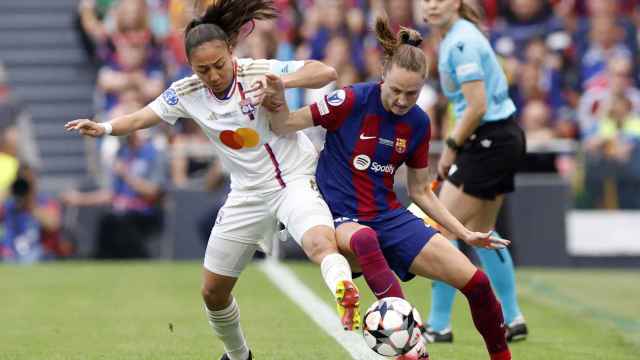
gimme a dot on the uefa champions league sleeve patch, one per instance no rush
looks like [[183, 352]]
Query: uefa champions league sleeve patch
[[170, 97], [337, 98]]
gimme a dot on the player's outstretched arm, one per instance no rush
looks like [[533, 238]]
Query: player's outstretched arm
[[422, 195], [283, 121], [122, 125], [313, 75]]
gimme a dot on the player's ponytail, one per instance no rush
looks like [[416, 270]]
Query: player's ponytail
[[469, 13], [402, 49], [223, 20], [409, 37], [386, 38]]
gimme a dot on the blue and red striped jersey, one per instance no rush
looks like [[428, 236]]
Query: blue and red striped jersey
[[365, 145]]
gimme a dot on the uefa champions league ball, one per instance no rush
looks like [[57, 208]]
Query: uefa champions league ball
[[392, 327]]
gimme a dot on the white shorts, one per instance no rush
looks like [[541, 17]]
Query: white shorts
[[249, 221]]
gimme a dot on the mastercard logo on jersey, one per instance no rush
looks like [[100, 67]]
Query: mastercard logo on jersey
[[240, 138]]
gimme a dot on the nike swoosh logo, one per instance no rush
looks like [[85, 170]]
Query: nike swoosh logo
[[362, 137], [383, 292]]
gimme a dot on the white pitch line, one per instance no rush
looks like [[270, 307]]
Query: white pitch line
[[321, 313]]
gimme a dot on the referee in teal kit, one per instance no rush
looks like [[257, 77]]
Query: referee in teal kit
[[481, 154]]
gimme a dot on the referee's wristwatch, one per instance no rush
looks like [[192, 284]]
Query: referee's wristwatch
[[452, 144]]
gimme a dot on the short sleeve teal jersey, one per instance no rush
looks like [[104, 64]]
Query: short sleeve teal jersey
[[466, 55]]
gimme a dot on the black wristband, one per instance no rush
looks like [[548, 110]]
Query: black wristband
[[453, 145]]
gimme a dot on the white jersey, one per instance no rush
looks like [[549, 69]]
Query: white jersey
[[256, 158]]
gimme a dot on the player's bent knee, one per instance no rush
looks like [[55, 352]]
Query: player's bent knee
[[480, 281], [216, 296], [317, 246], [478, 286], [364, 241], [319, 249]]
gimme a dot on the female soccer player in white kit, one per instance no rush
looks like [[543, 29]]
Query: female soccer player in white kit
[[272, 177]]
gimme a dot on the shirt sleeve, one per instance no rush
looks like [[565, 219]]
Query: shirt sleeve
[[466, 62], [169, 106], [419, 158], [333, 109], [285, 67]]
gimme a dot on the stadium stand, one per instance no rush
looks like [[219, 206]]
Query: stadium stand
[[49, 73]]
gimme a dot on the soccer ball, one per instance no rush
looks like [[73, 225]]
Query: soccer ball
[[392, 327]]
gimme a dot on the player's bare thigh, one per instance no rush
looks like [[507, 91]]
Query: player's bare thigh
[[485, 219], [475, 213], [440, 260]]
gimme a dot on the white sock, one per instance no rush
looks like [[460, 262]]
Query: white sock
[[226, 325], [334, 268]]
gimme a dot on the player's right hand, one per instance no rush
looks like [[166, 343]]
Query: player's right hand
[[85, 127], [485, 240], [274, 99]]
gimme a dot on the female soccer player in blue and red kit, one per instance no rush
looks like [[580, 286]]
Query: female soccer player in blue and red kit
[[372, 129]]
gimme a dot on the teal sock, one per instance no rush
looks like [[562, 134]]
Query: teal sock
[[499, 267], [442, 296]]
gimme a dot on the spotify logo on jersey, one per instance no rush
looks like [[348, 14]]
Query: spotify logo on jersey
[[361, 162]]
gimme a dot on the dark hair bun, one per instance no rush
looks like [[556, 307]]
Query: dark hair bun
[[406, 38]]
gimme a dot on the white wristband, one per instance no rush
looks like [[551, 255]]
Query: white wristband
[[108, 129]]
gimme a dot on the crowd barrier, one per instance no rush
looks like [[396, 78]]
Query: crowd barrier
[[534, 217]]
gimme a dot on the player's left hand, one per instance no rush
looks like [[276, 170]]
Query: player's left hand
[[485, 240], [257, 92], [447, 159]]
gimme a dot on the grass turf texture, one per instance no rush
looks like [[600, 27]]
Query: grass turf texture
[[126, 311], [88, 311], [571, 314]]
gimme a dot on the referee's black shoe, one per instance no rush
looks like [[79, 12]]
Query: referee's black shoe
[[443, 336], [226, 357], [517, 330]]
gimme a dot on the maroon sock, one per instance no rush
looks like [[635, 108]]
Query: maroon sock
[[487, 315], [375, 269]]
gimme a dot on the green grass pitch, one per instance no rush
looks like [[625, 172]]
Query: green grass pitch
[[152, 310]]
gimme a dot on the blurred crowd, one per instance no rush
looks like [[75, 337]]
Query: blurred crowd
[[569, 64], [572, 67], [30, 222]]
